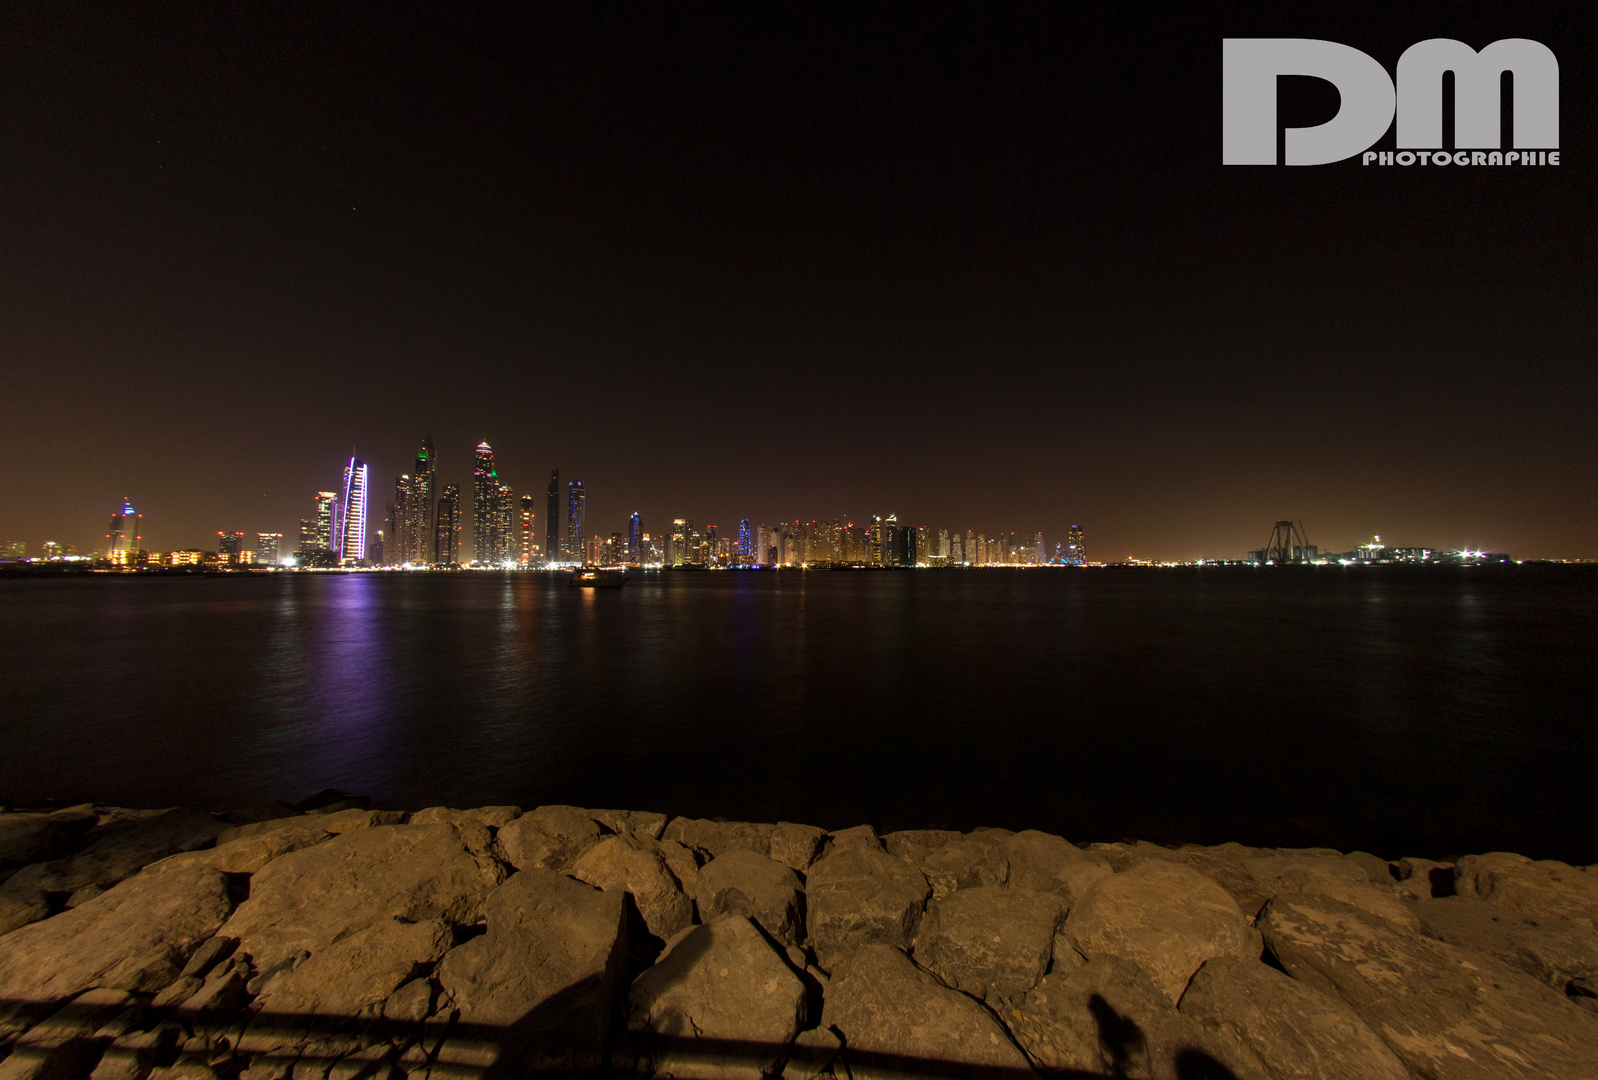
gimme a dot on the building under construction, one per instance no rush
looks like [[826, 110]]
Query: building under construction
[[1287, 545]]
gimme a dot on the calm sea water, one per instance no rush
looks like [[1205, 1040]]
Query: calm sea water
[[1400, 710]]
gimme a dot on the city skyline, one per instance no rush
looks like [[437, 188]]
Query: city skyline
[[944, 262]]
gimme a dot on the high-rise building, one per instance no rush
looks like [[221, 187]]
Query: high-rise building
[[615, 549], [677, 543], [268, 548], [377, 549], [413, 534], [576, 515], [307, 542], [890, 540], [552, 551], [635, 539], [505, 527], [971, 548], [447, 538], [485, 503], [907, 544], [229, 544], [529, 537], [1076, 549], [956, 551], [126, 534], [746, 543], [326, 520], [13, 549], [1039, 556], [874, 538], [352, 513]]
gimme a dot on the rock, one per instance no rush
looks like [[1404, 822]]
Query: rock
[[209, 954], [1447, 1013], [351, 818], [628, 863], [257, 812], [546, 970], [257, 846], [1349, 878], [30, 838], [1044, 863], [863, 835], [1296, 1032], [860, 895], [896, 1020], [179, 992], [1552, 951], [84, 895], [644, 822], [721, 1003], [719, 837], [121, 852], [1108, 1018], [310, 898], [1546, 889], [990, 942], [1167, 917], [949, 860], [410, 1003], [19, 907], [683, 864], [61, 1046], [548, 838], [136, 937], [358, 972], [1423, 879], [812, 1054], [796, 846], [221, 991], [749, 884], [331, 800]]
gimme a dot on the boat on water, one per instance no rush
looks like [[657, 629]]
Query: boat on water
[[594, 577]]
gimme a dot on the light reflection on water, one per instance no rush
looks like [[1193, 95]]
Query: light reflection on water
[[1426, 711]]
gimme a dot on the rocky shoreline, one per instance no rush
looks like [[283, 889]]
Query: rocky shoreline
[[332, 941]]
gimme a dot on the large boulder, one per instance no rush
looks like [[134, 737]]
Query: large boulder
[[683, 863], [643, 822], [1341, 877], [538, 987], [628, 863], [1447, 1013], [494, 817], [358, 972], [136, 936], [123, 849], [720, 1003], [1544, 889], [1167, 917], [1298, 1033], [1552, 951], [19, 907], [796, 846], [1107, 1018], [548, 838], [749, 884], [990, 942], [308, 899], [27, 838], [1045, 863], [949, 860], [898, 1021], [716, 838], [247, 849], [860, 895]]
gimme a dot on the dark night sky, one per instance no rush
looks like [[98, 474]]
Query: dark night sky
[[979, 265]]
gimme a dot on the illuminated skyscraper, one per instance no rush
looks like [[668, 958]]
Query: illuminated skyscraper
[[971, 551], [485, 501], [576, 516], [635, 538], [505, 546], [677, 553], [552, 551], [746, 543], [1076, 549], [528, 534], [352, 512], [326, 520], [126, 534], [1039, 556], [268, 547], [447, 532], [229, 544], [412, 534]]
